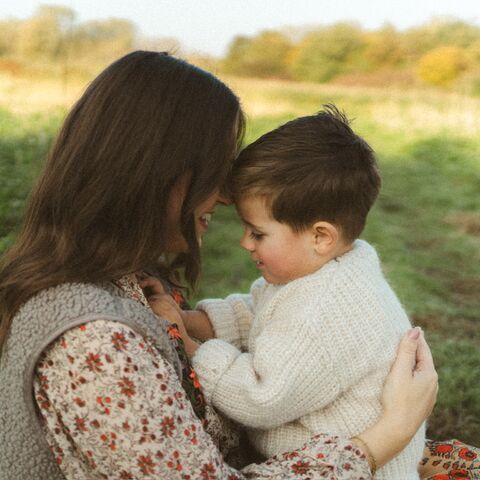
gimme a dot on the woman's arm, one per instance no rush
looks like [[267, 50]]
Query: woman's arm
[[113, 407]]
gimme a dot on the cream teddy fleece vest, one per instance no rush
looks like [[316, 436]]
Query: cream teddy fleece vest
[[24, 451]]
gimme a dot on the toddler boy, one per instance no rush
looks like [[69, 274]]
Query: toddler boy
[[307, 351]]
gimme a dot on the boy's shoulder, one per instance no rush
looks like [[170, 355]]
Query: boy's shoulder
[[358, 262], [361, 251], [355, 275], [357, 269]]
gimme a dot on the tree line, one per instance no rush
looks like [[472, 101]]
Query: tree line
[[440, 52], [53, 36], [443, 52]]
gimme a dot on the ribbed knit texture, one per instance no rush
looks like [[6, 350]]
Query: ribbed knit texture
[[307, 357], [24, 452]]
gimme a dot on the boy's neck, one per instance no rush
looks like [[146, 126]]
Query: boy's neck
[[340, 249]]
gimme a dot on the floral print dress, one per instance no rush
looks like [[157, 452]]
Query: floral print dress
[[113, 408]]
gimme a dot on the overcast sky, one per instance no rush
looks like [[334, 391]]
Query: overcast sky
[[209, 25]]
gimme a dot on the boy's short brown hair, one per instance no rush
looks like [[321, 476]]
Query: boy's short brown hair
[[309, 169]]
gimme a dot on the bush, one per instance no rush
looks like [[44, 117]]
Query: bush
[[263, 56], [442, 66], [324, 54]]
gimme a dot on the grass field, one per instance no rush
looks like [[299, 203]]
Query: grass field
[[425, 225]]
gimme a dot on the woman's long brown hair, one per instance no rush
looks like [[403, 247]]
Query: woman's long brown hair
[[99, 209]]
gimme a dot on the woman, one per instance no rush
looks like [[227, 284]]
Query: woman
[[93, 384]]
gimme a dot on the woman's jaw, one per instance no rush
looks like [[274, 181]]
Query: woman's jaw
[[203, 214]]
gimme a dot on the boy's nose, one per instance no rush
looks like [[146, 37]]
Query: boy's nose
[[246, 243]]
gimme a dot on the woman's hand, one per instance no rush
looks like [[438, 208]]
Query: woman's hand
[[408, 398], [163, 305], [411, 388], [150, 285], [161, 302]]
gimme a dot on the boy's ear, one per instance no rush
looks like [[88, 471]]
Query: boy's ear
[[325, 237]]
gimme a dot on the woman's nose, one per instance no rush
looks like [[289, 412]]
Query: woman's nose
[[224, 199]]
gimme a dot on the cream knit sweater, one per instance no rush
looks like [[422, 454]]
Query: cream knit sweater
[[310, 356]]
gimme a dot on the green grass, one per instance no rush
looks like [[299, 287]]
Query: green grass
[[24, 142], [425, 225]]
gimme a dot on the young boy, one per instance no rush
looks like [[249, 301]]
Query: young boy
[[308, 349]]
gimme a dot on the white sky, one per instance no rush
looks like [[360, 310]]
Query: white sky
[[209, 25]]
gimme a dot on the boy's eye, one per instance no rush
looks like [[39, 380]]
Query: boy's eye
[[256, 236]]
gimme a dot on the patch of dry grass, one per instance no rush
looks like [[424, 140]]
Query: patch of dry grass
[[401, 110], [26, 94]]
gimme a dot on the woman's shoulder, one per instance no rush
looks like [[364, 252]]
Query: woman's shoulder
[[56, 310], [69, 296]]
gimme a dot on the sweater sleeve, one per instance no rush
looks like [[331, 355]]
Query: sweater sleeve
[[231, 317], [113, 408], [288, 374]]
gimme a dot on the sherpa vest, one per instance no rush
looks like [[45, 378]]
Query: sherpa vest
[[24, 451]]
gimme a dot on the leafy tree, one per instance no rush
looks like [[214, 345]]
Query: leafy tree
[[384, 48], [8, 36], [235, 59], [441, 31], [326, 53], [45, 35], [442, 65], [473, 54], [104, 39], [264, 55]]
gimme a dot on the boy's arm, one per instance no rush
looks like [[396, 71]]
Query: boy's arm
[[289, 374], [231, 318]]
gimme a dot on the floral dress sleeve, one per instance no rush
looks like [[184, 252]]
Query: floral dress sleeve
[[113, 408]]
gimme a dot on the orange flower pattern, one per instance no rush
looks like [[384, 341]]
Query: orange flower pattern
[[453, 461]]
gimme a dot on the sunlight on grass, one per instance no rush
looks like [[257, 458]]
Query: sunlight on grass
[[24, 95], [412, 111]]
